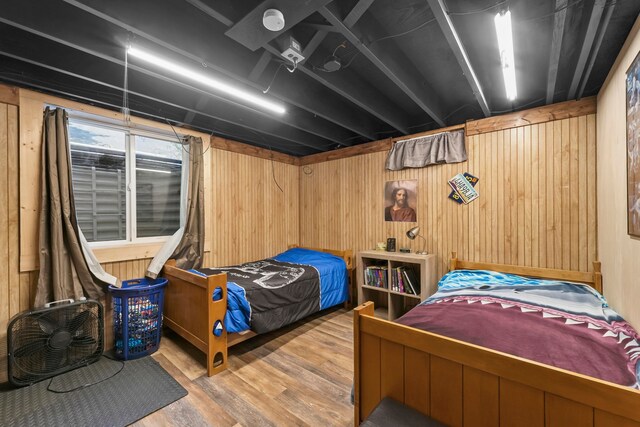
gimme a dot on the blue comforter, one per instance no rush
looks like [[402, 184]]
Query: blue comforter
[[333, 290]]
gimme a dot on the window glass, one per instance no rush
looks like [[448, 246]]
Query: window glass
[[125, 186], [158, 183], [98, 158]]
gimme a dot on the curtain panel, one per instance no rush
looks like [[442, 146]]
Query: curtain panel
[[68, 268], [186, 245], [445, 147]]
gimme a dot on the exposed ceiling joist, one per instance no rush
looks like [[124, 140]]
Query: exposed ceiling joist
[[556, 45], [313, 44], [439, 11], [587, 45], [260, 66], [198, 4], [364, 99], [356, 13], [319, 27], [202, 102], [596, 47], [390, 68], [313, 106]]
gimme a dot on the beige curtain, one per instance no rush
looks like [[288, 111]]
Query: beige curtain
[[186, 246], [64, 272], [190, 250]]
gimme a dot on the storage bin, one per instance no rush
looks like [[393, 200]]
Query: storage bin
[[137, 317]]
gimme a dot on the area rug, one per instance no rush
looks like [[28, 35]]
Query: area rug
[[106, 393]]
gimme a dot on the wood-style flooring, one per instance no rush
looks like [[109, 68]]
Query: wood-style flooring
[[298, 376]]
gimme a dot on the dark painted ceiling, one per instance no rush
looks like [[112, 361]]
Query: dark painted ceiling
[[407, 65]]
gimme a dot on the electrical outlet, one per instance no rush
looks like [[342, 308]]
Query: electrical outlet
[[293, 56]]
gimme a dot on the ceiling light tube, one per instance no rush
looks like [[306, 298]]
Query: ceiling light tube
[[505, 44], [208, 81]]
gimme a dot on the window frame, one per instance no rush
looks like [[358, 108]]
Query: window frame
[[130, 134]]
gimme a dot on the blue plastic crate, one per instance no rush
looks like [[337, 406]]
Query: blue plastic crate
[[137, 317]]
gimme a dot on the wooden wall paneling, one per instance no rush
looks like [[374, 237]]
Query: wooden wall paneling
[[446, 391], [526, 171], [481, 398], [5, 271], [607, 419], [561, 412], [521, 405], [566, 195], [493, 230], [251, 217], [574, 130], [542, 195], [520, 196], [416, 380], [592, 224], [508, 201], [550, 194], [527, 194], [583, 231], [482, 202], [18, 299], [534, 202], [516, 217], [30, 142], [4, 217], [557, 193]]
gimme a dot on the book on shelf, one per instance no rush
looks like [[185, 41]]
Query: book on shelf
[[412, 284], [376, 276]]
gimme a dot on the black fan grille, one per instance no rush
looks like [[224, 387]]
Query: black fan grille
[[47, 342]]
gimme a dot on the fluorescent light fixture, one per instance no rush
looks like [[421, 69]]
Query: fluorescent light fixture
[[505, 44], [201, 78]]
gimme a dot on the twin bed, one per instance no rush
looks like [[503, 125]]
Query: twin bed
[[494, 349], [216, 308]]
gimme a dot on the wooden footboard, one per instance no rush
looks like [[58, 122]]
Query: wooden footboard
[[459, 384], [190, 311]]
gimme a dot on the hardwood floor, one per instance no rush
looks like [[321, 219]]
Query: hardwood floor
[[298, 376]]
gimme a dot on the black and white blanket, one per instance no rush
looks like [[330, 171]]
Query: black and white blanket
[[279, 293]]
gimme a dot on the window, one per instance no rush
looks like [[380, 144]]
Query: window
[[126, 183]]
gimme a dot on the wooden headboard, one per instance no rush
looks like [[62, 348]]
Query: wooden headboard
[[593, 279]]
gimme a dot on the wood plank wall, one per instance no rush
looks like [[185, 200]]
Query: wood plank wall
[[251, 217], [537, 204], [14, 286]]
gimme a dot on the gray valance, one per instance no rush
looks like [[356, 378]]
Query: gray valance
[[445, 147]]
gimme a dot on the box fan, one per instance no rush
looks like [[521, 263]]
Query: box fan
[[46, 342]]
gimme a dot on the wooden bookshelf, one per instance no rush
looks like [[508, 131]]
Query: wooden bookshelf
[[392, 301]]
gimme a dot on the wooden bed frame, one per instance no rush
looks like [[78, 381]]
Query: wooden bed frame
[[458, 383], [191, 312]]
